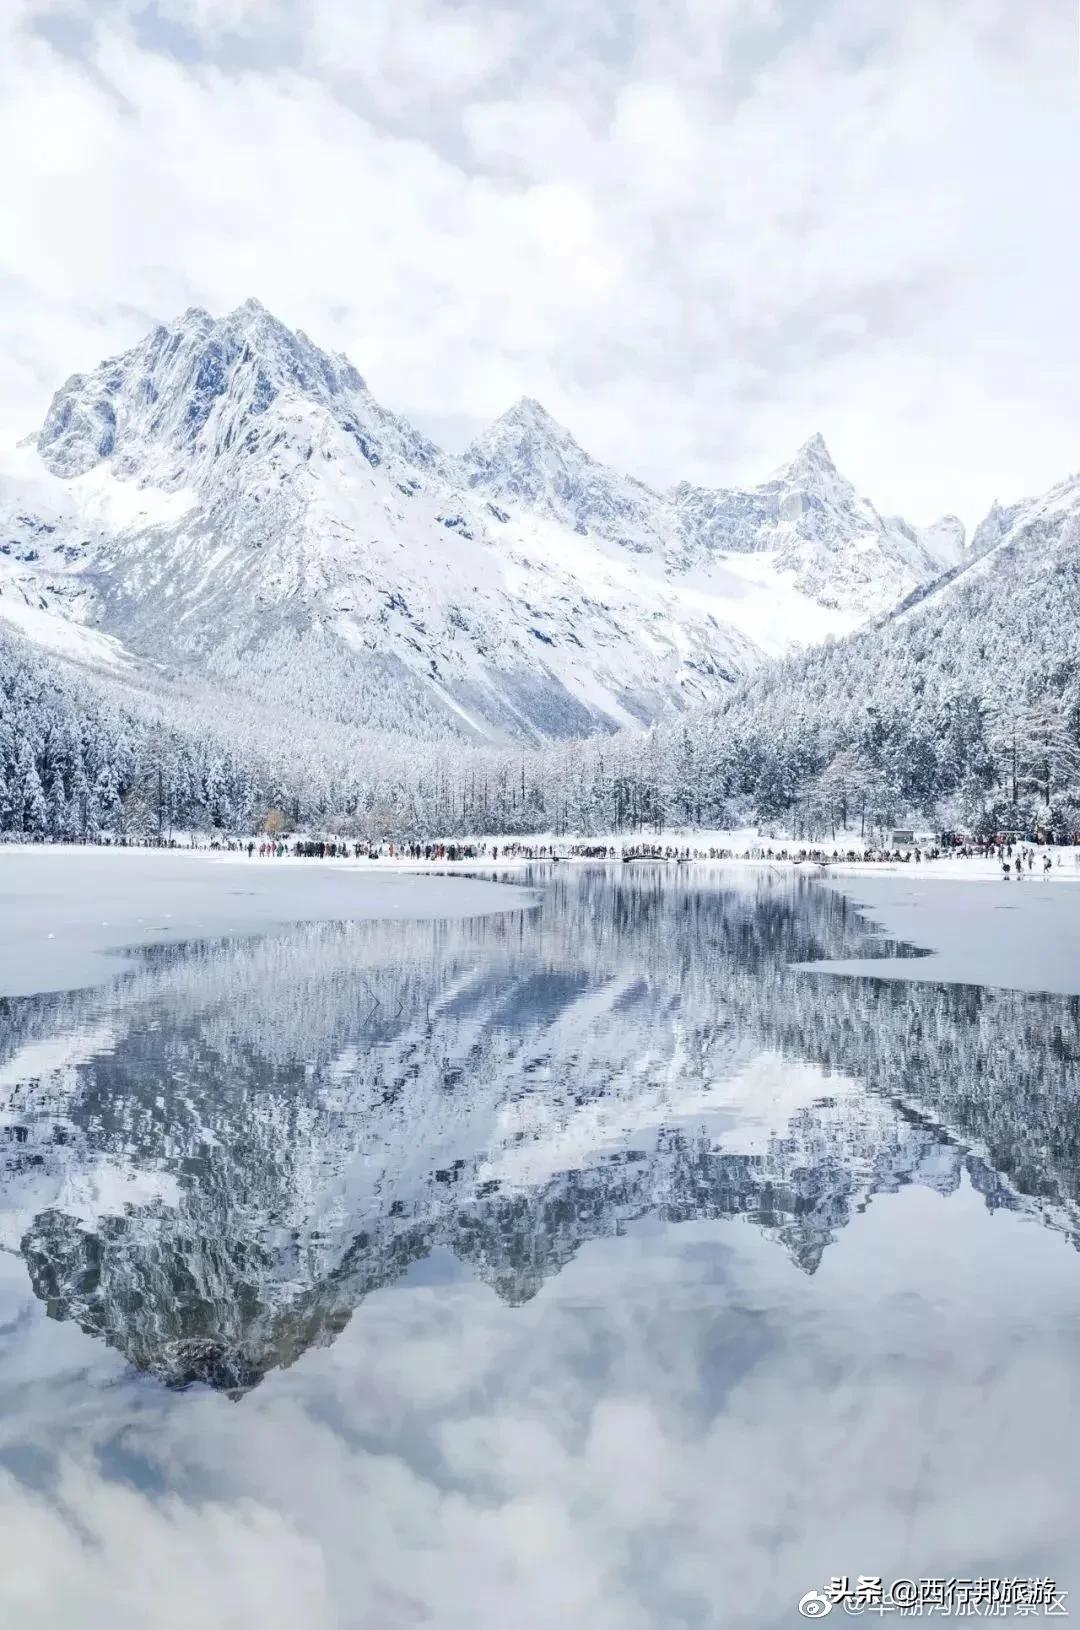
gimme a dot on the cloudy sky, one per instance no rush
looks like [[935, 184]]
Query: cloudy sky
[[697, 230]]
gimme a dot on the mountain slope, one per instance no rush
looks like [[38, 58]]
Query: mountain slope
[[967, 692], [233, 506]]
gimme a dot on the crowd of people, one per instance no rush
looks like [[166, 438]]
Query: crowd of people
[[1026, 856], [1015, 857], [340, 849], [915, 854]]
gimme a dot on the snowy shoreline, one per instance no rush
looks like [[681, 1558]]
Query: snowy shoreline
[[976, 868]]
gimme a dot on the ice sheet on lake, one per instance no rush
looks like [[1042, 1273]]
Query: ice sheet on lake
[[1015, 936], [66, 914]]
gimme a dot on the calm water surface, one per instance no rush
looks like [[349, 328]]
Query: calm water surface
[[585, 1265]]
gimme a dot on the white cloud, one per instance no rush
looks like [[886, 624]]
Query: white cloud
[[696, 232], [404, 55]]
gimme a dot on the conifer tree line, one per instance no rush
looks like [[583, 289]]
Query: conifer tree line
[[964, 713]]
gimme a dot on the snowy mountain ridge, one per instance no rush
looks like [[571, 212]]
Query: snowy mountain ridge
[[1025, 544], [225, 501]]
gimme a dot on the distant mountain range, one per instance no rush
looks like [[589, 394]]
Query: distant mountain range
[[227, 504]]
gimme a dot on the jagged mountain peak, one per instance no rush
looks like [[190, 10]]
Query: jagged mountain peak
[[525, 429], [192, 317], [528, 411], [812, 458], [816, 527], [813, 466], [267, 333], [529, 458], [193, 392], [197, 324], [247, 311], [814, 448]]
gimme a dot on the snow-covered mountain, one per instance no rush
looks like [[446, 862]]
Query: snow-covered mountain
[[809, 520], [986, 653], [806, 523], [527, 459], [228, 503], [1021, 555]]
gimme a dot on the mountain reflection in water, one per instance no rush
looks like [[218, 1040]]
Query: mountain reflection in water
[[210, 1164]]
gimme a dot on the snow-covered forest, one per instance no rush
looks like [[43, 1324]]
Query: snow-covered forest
[[963, 710]]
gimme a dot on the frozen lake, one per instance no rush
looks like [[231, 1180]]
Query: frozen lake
[[553, 1252], [1022, 936], [69, 914]]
